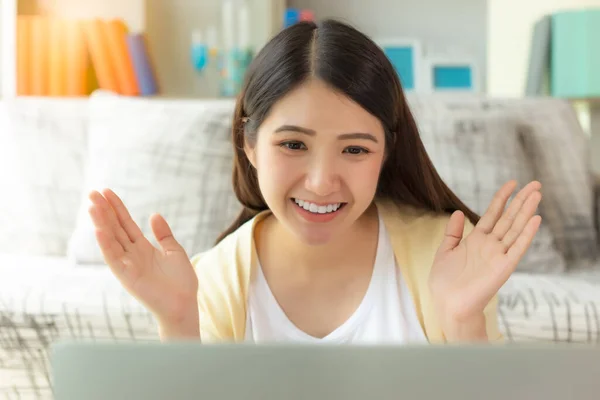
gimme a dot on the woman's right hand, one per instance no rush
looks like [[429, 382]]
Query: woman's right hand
[[162, 279]]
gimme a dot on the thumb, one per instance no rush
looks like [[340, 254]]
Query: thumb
[[454, 231], [163, 234]]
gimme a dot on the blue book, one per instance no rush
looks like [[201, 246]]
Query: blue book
[[142, 64]]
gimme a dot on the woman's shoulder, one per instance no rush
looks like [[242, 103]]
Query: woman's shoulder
[[223, 273]]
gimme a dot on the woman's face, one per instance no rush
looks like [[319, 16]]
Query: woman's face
[[318, 156]]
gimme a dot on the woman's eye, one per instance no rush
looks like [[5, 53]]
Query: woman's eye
[[293, 145], [356, 150]]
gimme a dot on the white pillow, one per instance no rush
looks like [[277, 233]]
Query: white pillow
[[42, 151], [173, 157]]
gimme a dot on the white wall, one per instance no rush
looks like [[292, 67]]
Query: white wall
[[510, 26], [441, 24]]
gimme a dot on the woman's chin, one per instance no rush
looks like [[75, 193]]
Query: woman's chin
[[315, 235]]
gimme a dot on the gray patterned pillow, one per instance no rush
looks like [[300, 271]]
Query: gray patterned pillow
[[42, 153], [475, 153], [559, 149], [556, 143], [164, 156]]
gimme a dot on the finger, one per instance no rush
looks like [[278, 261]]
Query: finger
[[131, 228], [511, 259], [520, 246], [520, 221], [508, 218], [114, 257], [492, 214], [104, 218], [454, 231], [163, 234], [111, 249]]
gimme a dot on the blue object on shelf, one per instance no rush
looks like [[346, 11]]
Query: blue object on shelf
[[199, 57], [575, 54], [452, 77], [232, 66], [291, 16], [403, 60]]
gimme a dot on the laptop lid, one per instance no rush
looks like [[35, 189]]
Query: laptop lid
[[235, 371]]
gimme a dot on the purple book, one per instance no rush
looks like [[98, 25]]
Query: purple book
[[142, 65]]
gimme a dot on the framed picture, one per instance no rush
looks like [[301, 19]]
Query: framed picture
[[451, 74], [406, 55]]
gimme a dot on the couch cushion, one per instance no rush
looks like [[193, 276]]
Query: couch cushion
[[475, 153], [44, 300], [42, 152], [172, 157], [550, 308]]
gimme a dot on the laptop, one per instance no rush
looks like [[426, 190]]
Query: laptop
[[190, 370]]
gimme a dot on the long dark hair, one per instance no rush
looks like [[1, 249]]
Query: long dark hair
[[350, 62]]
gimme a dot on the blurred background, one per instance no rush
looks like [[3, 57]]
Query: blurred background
[[495, 37], [185, 48]]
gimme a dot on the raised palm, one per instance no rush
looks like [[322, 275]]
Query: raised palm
[[162, 279], [467, 273]]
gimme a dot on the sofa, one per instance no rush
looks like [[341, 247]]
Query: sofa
[[174, 156]]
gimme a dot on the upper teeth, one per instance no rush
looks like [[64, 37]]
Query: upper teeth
[[312, 207]]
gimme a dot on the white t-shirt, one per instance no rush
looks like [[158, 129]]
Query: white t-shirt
[[385, 315]]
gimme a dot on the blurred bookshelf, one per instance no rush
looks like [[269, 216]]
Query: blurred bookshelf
[[69, 48]]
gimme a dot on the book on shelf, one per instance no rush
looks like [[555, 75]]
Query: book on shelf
[[66, 57]]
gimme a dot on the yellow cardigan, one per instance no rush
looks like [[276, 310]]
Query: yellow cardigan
[[224, 273]]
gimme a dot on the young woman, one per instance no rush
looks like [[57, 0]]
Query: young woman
[[347, 233]]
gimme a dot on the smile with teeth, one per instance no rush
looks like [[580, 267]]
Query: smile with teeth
[[318, 209]]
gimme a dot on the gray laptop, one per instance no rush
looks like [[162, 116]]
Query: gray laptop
[[234, 371]]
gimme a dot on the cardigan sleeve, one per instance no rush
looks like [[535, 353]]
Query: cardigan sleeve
[[213, 299]]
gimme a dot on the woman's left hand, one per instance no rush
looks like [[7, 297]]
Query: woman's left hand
[[467, 274]]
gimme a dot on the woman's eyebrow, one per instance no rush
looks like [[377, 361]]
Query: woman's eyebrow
[[295, 128], [311, 132], [358, 135]]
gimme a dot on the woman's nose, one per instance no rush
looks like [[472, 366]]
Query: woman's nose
[[322, 178]]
